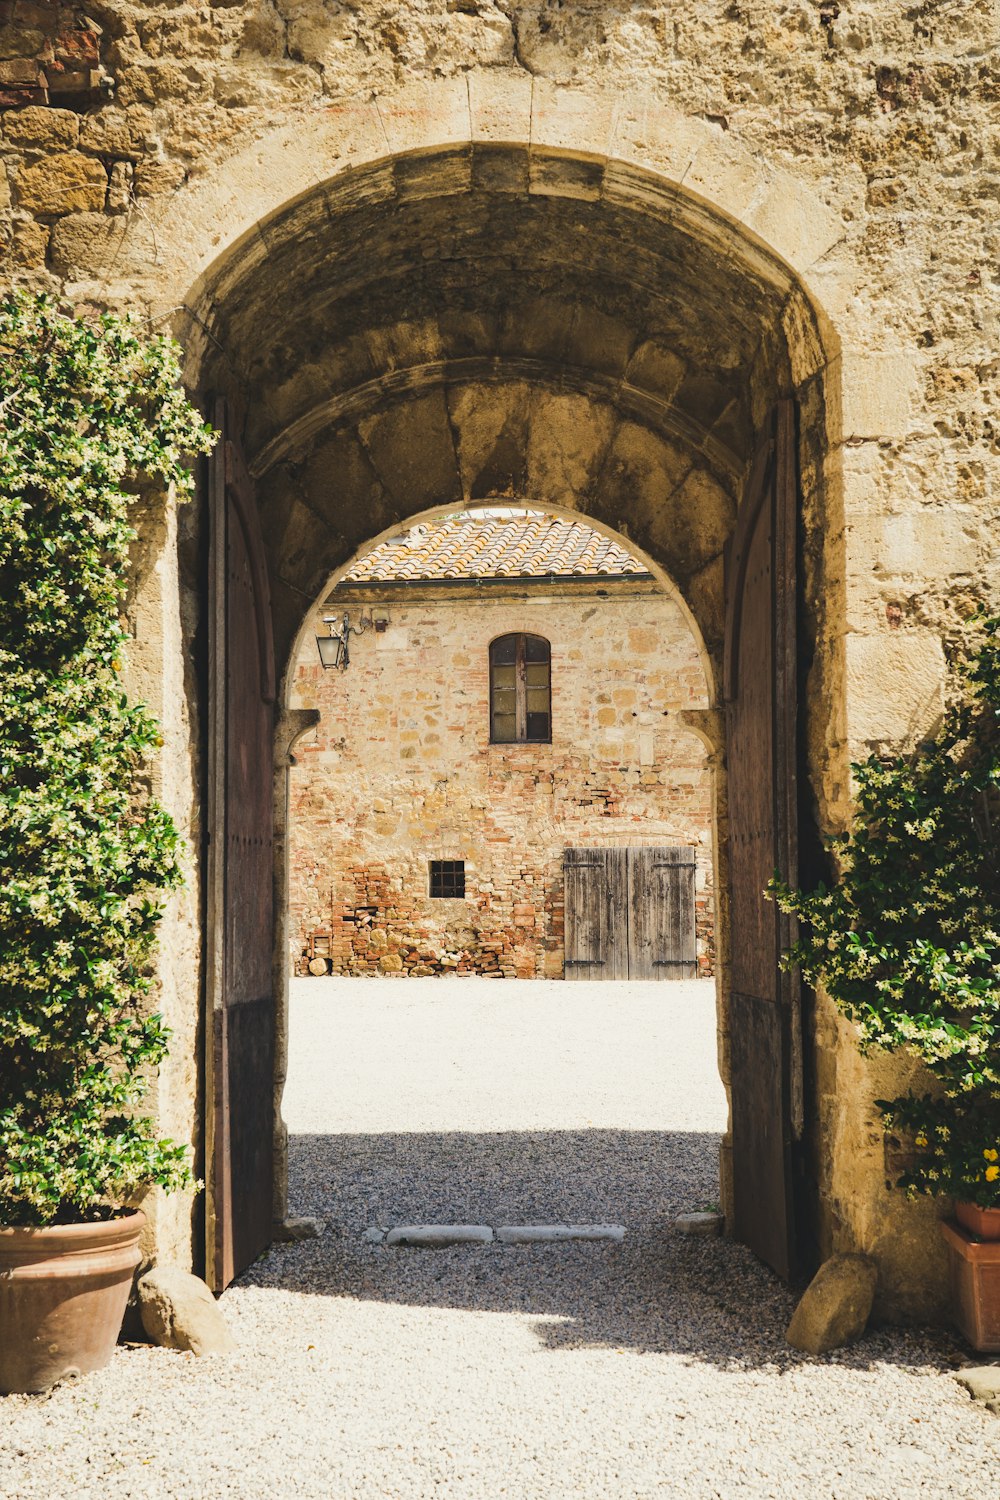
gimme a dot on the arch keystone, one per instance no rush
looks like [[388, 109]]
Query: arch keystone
[[500, 108], [570, 121]]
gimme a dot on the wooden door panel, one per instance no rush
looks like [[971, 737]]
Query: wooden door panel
[[759, 1061], [240, 939], [761, 757], [596, 913], [662, 913]]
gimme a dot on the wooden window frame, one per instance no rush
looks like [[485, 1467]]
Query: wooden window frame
[[521, 688]]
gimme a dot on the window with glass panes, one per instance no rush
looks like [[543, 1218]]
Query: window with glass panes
[[520, 697]]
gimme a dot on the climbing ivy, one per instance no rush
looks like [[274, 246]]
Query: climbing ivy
[[906, 939], [90, 410]]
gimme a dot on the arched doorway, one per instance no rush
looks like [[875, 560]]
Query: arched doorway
[[491, 317]]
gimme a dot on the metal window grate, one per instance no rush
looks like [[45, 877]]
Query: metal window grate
[[448, 877]]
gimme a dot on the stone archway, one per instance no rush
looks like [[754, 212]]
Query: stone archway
[[493, 286]]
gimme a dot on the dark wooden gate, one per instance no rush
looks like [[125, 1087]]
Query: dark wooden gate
[[240, 918], [761, 720], [629, 913]]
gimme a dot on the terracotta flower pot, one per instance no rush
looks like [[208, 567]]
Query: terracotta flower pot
[[984, 1222], [63, 1291], [974, 1267]]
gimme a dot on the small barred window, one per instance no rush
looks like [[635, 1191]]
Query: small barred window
[[448, 877]]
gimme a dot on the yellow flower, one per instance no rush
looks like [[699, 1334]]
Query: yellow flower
[[990, 1154], [920, 1140], [992, 1173]]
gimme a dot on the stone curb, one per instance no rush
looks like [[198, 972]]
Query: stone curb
[[434, 1236]]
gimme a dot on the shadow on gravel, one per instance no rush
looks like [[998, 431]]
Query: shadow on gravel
[[660, 1292]]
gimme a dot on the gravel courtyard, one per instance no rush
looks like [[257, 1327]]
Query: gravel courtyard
[[652, 1368]]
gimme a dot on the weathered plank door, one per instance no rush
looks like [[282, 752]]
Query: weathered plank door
[[661, 897], [596, 913], [240, 917], [629, 913], [761, 720]]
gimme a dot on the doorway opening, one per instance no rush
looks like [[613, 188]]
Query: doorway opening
[[510, 744], [630, 355]]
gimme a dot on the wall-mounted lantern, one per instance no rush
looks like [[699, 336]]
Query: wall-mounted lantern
[[334, 647]]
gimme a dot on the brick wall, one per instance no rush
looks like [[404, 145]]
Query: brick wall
[[400, 771]]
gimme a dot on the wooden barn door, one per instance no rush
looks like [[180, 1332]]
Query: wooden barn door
[[629, 913], [661, 914], [596, 913], [761, 719], [240, 1029]]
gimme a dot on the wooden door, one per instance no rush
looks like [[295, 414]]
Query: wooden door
[[761, 720], [596, 913], [661, 912], [629, 913], [240, 917]]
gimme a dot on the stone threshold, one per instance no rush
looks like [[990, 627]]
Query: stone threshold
[[435, 1236]]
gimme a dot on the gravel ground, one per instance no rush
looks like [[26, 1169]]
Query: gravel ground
[[652, 1368]]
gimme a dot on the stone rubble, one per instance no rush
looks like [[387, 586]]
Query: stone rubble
[[179, 1312], [700, 1224], [836, 1305]]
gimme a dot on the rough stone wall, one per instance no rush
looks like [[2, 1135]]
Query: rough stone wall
[[400, 771], [858, 139]]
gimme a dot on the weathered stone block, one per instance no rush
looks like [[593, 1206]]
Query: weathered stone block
[[86, 243], [895, 686], [179, 1312], [981, 1381], [36, 126], [795, 222], [727, 175], [702, 1225], [427, 114], [20, 41], [500, 106], [66, 183], [655, 139], [572, 121], [836, 1305], [877, 393], [297, 1228], [108, 133]]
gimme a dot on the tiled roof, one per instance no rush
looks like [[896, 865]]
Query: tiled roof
[[496, 544]]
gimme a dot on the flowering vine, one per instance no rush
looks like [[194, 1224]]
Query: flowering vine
[[906, 939], [89, 410]]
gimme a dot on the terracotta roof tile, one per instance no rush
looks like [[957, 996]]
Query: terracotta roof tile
[[496, 544]]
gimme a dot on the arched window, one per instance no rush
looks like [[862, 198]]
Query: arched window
[[520, 702]]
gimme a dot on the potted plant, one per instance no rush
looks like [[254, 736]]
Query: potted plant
[[906, 942], [89, 411]]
